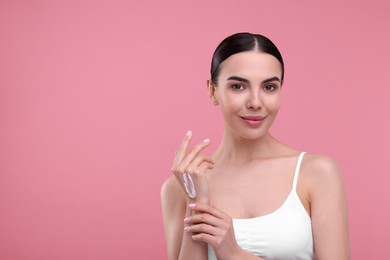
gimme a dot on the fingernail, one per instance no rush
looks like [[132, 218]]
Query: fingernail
[[206, 140], [191, 205], [186, 229], [189, 133], [185, 220]]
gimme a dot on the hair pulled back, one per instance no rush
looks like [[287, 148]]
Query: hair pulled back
[[241, 42]]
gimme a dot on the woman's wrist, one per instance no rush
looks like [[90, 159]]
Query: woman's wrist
[[191, 212], [198, 200]]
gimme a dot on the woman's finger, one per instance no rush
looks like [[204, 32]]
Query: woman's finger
[[203, 228], [206, 208], [182, 150], [197, 167], [202, 218], [203, 166], [206, 238], [199, 164], [189, 157]]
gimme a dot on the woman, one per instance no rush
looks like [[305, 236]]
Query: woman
[[254, 198]]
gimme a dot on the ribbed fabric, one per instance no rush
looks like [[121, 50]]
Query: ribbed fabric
[[284, 234]]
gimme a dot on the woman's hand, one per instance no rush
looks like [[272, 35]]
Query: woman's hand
[[194, 165], [212, 226]]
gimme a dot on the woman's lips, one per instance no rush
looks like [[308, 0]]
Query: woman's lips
[[253, 121]]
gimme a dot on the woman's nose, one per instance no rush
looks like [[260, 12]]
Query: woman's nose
[[254, 101]]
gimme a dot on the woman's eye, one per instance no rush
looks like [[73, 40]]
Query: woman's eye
[[237, 87], [270, 88]]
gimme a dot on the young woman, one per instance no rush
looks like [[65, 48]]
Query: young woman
[[254, 198]]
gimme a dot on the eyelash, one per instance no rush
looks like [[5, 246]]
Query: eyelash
[[242, 87], [237, 85], [273, 86]]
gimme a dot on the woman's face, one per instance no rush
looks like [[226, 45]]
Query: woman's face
[[248, 92]]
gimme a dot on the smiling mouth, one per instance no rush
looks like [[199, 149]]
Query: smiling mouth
[[253, 121]]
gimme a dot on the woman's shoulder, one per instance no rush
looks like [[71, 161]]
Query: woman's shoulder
[[319, 163], [171, 191], [320, 170]]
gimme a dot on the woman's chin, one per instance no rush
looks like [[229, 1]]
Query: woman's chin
[[252, 135]]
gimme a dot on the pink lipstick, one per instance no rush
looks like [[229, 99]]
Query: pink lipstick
[[253, 121]]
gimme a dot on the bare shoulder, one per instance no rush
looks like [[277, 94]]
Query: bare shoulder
[[171, 192], [327, 205], [320, 172], [320, 166]]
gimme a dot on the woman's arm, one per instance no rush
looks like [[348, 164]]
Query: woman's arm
[[174, 206], [214, 227], [328, 209], [174, 199], [178, 210], [183, 244]]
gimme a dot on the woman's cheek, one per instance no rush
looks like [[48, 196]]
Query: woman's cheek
[[274, 103], [234, 102], [278, 105]]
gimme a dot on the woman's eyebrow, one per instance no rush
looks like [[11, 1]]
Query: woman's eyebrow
[[238, 79], [271, 79], [247, 81]]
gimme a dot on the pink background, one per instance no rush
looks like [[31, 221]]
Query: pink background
[[96, 95]]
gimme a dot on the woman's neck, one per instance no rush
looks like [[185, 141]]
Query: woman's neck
[[234, 149]]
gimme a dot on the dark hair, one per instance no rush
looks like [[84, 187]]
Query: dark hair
[[241, 42]]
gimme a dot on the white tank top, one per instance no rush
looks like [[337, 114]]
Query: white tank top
[[285, 233]]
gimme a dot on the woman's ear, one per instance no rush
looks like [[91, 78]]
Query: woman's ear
[[211, 89]]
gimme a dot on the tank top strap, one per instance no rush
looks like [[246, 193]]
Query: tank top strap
[[296, 174]]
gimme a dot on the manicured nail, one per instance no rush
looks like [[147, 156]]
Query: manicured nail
[[186, 229], [191, 205], [206, 140], [189, 133], [186, 220]]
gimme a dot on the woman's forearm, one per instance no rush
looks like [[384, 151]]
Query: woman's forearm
[[191, 249], [245, 255]]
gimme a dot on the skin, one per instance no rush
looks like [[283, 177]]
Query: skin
[[252, 163]]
